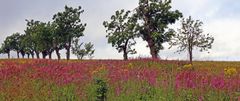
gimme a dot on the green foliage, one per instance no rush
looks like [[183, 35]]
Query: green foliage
[[11, 43], [80, 53], [32, 40], [155, 16], [68, 26], [121, 32], [102, 90], [191, 36]]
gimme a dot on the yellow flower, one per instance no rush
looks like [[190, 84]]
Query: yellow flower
[[230, 71], [130, 65], [188, 67]]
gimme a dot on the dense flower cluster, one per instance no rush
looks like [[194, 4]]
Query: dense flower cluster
[[230, 71]]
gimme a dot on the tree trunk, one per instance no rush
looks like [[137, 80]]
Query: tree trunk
[[58, 54], [44, 54], [190, 55], [37, 54], [125, 55], [68, 50], [152, 48], [28, 55], [32, 54], [50, 55], [18, 54], [190, 48], [23, 55], [68, 53], [8, 55]]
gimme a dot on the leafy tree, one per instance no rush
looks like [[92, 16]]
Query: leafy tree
[[7, 46], [69, 26], [5, 49], [45, 39], [80, 53], [89, 51], [49, 39], [57, 40], [190, 36], [121, 32], [32, 40], [15, 42], [155, 16], [28, 46]]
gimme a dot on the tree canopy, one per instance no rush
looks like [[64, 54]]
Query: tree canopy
[[69, 26], [155, 16], [121, 32], [191, 36]]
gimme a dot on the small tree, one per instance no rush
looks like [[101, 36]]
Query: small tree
[[6, 46], [80, 53], [89, 51], [190, 36], [121, 32]]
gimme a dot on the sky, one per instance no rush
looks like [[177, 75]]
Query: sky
[[221, 19]]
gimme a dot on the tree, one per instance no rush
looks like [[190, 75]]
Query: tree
[[28, 46], [121, 32], [45, 39], [15, 42], [57, 39], [6, 46], [80, 53], [155, 16], [31, 39], [190, 36], [89, 51], [69, 26]]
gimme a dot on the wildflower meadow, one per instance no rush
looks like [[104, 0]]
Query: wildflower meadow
[[117, 80]]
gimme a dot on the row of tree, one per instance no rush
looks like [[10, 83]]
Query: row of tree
[[150, 20], [45, 38]]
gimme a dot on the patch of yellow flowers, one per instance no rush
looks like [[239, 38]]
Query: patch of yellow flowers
[[130, 65], [188, 67], [230, 71]]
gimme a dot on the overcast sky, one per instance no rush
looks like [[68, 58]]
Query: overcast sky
[[221, 19]]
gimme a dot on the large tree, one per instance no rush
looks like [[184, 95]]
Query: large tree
[[69, 26], [121, 32], [191, 36], [155, 16]]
